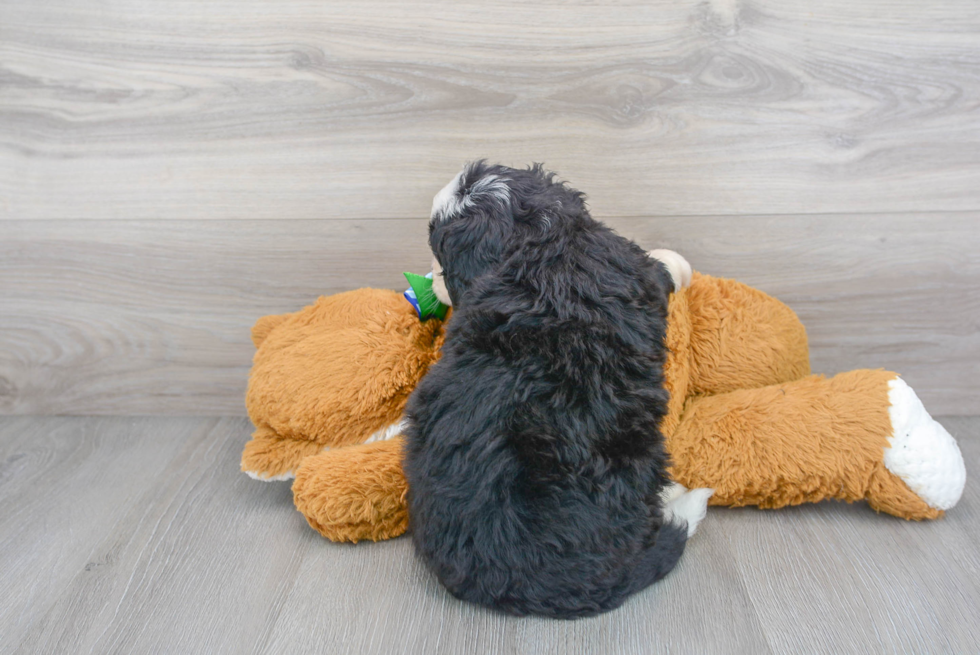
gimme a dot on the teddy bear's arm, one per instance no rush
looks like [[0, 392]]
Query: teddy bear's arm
[[333, 374], [677, 266], [265, 325]]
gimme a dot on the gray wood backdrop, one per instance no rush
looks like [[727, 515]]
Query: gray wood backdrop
[[158, 162], [171, 171]]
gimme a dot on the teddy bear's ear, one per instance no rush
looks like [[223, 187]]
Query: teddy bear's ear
[[265, 325]]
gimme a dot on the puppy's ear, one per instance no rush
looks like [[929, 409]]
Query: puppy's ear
[[472, 223], [541, 202]]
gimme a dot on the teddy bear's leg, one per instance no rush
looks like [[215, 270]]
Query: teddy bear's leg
[[862, 435], [354, 493], [741, 338]]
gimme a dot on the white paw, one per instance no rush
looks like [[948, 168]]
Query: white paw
[[680, 269], [672, 492], [685, 507], [261, 477], [921, 452]]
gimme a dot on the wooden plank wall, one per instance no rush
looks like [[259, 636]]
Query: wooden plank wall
[[156, 160]]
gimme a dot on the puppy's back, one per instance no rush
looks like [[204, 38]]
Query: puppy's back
[[534, 459]]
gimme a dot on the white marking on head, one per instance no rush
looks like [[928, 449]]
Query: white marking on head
[[449, 201], [494, 185]]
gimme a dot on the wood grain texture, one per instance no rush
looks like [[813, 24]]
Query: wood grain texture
[[827, 571], [153, 317], [331, 109], [203, 549], [65, 484], [146, 538]]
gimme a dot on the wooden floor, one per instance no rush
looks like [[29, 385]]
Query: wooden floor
[[139, 535]]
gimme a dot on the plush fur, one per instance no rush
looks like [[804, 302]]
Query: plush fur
[[533, 455], [306, 393], [745, 416]]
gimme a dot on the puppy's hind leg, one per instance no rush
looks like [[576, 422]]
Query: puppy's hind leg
[[683, 511], [684, 507]]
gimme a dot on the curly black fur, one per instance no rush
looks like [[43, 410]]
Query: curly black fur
[[534, 457]]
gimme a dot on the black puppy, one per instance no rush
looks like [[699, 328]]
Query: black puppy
[[536, 468]]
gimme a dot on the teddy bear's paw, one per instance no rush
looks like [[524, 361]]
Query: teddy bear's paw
[[269, 457], [685, 506], [355, 493], [921, 452], [388, 432], [680, 269]]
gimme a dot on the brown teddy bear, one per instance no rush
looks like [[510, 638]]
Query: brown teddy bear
[[746, 418]]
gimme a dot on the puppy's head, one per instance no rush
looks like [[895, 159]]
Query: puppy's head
[[486, 214]]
